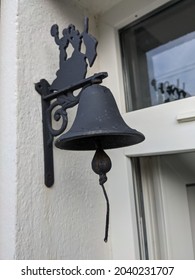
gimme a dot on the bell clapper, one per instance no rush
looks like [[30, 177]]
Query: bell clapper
[[101, 164]]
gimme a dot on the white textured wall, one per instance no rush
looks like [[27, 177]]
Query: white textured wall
[[66, 221], [8, 85]]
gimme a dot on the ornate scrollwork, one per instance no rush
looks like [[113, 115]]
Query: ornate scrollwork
[[65, 102]]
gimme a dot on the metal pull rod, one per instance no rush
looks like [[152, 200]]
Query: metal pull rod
[[101, 164], [107, 214]]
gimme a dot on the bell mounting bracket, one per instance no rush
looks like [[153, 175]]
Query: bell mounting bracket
[[59, 96]]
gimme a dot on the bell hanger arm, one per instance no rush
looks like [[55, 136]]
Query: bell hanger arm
[[43, 89], [95, 79]]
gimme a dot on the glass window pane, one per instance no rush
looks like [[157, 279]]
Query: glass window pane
[[158, 56], [171, 70]]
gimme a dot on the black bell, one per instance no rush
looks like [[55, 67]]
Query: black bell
[[98, 124]]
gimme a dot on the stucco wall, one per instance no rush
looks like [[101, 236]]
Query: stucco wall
[[66, 221], [8, 85]]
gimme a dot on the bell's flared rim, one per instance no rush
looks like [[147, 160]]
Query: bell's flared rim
[[95, 139]]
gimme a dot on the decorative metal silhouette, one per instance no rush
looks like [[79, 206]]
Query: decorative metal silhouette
[[77, 63]]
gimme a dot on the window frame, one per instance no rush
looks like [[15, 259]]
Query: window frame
[[134, 61]]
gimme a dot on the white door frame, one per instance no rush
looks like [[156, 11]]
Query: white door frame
[[154, 214]]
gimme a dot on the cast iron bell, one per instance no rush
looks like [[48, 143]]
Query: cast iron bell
[[98, 123]]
